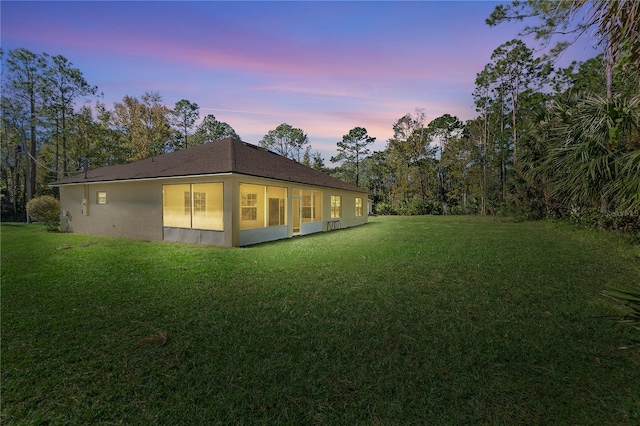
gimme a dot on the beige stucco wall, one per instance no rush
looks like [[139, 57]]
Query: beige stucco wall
[[134, 210]]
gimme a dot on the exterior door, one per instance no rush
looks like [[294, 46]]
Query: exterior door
[[296, 212]]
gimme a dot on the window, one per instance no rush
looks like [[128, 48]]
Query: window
[[249, 206], [102, 197], [208, 206], [199, 203], [187, 202], [307, 211], [311, 206], [262, 206], [336, 206], [197, 206], [358, 206]]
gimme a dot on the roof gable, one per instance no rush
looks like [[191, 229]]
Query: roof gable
[[224, 156]]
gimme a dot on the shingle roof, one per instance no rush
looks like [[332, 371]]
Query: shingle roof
[[223, 156]]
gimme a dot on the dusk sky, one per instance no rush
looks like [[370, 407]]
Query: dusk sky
[[325, 67]]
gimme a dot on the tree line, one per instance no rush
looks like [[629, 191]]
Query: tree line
[[546, 142]]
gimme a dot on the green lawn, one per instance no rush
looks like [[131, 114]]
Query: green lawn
[[421, 320]]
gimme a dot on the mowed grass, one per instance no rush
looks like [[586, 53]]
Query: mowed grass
[[421, 320]]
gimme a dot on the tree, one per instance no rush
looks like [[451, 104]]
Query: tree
[[12, 126], [412, 160], [377, 176], [353, 149], [24, 82], [143, 124], [455, 165], [615, 23], [211, 130], [184, 116], [64, 85], [440, 131], [514, 71], [286, 140], [597, 155], [317, 162], [502, 88]]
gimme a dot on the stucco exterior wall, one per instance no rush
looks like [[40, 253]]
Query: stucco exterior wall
[[134, 210], [348, 216]]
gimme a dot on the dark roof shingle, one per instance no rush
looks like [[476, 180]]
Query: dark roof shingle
[[223, 156]]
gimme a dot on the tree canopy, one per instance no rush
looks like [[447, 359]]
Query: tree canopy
[[352, 149], [287, 141]]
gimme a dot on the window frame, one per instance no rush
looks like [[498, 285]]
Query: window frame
[[258, 205], [336, 206], [209, 209], [358, 206], [249, 207], [101, 198]]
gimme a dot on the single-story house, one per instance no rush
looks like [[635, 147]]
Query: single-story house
[[227, 193]]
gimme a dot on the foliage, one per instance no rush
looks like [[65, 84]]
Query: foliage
[[287, 141], [144, 124], [547, 143], [313, 160], [384, 209], [211, 130], [597, 152], [616, 23], [629, 300], [412, 160], [410, 320], [352, 150], [184, 116], [46, 210]]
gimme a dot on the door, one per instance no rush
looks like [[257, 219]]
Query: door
[[296, 211]]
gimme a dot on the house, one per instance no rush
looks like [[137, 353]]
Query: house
[[227, 193]]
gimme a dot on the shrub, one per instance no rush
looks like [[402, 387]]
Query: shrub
[[45, 209], [384, 209]]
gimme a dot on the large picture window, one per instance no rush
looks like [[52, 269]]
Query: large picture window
[[197, 206], [262, 206], [358, 206], [336, 206]]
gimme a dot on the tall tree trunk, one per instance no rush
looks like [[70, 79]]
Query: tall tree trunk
[[31, 190], [57, 159], [514, 103], [64, 142]]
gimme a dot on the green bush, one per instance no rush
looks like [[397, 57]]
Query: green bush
[[385, 209], [45, 209]]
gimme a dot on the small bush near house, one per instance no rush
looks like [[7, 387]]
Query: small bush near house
[[45, 209]]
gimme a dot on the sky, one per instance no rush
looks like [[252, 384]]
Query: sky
[[325, 67]]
